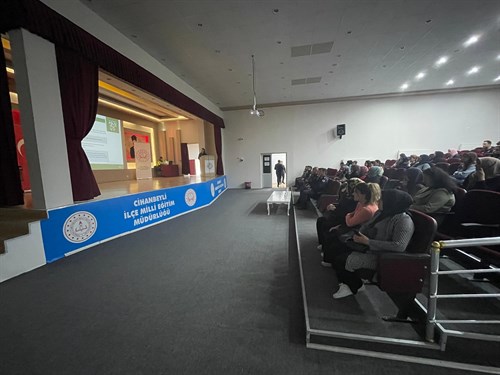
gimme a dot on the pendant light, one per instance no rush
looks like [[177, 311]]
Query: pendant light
[[254, 111]]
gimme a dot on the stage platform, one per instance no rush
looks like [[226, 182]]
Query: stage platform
[[122, 208], [354, 325]]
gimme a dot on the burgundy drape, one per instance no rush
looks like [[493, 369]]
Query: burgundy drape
[[218, 149], [41, 20], [78, 81], [185, 158], [11, 192]]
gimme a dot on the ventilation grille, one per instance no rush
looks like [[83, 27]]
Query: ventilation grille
[[305, 81], [312, 49]]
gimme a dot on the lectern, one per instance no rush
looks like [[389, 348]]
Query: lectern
[[207, 165]]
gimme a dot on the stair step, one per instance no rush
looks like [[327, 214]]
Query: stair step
[[14, 222]]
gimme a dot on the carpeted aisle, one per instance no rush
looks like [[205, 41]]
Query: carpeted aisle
[[211, 292]]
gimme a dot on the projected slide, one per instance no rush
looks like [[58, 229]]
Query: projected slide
[[103, 145]]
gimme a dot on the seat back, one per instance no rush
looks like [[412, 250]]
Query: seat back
[[406, 272], [480, 206], [425, 230], [331, 172], [332, 187]]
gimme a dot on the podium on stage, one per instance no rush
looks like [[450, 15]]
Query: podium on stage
[[207, 165]]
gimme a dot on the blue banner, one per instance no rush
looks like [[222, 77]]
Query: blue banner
[[71, 228]]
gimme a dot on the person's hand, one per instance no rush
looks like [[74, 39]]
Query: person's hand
[[331, 207], [360, 238]]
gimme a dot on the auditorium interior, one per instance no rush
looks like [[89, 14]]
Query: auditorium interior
[[143, 227]]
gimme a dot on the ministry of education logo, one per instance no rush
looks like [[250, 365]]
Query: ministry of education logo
[[79, 227], [190, 197]]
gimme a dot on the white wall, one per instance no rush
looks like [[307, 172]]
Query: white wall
[[376, 129]]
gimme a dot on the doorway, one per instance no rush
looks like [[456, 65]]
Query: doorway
[[269, 179]]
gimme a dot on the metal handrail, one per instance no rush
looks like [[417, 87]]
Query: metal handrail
[[433, 287]]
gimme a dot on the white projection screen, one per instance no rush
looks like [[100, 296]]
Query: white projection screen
[[103, 145]]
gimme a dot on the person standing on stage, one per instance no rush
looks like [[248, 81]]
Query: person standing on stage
[[280, 172]]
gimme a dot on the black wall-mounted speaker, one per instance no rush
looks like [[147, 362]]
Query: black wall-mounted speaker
[[340, 130]]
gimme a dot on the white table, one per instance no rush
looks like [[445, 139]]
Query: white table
[[279, 197]]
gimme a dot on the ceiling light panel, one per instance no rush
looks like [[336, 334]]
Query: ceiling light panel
[[473, 39]]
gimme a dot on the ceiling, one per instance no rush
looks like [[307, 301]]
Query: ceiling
[[314, 50]]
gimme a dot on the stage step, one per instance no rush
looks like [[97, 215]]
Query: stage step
[[14, 222]]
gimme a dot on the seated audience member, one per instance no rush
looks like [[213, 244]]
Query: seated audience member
[[299, 181], [469, 166], [413, 180], [342, 172], [437, 196], [423, 162], [439, 157], [335, 214], [367, 196], [487, 149], [316, 188], [374, 173], [354, 173], [363, 172], [414, 160], [486, 176], [390, 230], [402, 162]]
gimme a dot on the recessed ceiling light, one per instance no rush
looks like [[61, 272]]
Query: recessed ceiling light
[[498, 57], [450, 82], [349, 32], [420, 75], [496, 79], [428, 21], [402, 47], [276, 11], [200, 25], [404, 86], [279, 42], [442, 60], [473, 39], [473, 70]]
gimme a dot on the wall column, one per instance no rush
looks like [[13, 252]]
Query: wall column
[[37, 84]]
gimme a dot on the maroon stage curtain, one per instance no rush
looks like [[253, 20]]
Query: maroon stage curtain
[[218, 149], [11, 192], [78, 81], [185, 158]]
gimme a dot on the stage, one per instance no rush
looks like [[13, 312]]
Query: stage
[[122, 208]]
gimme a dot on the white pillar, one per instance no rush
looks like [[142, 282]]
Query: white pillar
[[37, 85]]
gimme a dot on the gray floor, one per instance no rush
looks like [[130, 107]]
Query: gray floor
[[212, 292]]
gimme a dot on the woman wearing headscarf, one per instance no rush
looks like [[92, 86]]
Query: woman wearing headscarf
[[402, 162], [363, 171], [487, 175], [437, 196], [414, 179], [390, 229]]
